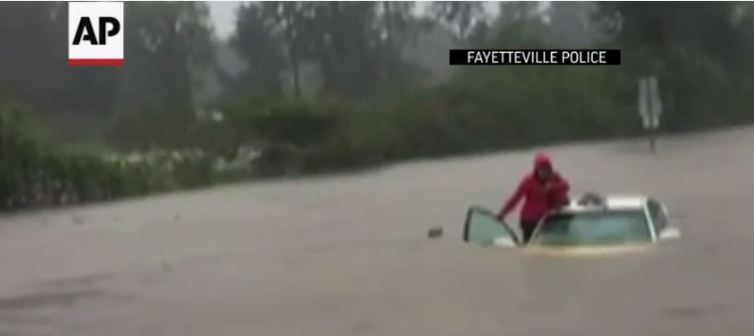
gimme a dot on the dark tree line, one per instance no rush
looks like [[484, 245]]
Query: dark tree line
[[354, 46], [166, 45], [335, 85]]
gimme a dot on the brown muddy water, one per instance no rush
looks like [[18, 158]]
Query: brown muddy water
[[349, 255]]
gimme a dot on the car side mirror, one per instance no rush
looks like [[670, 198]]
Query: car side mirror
[[670, 233]]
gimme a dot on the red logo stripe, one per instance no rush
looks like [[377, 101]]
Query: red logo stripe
[[77, 62]]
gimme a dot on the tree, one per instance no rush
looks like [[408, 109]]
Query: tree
[[75, 101], [291, 15], [167, 47], [517, 25], [258, 41], [358, 47], [345, 47], [515, 11], [662, 28], [396, 19], [701, 52], [355, 46], [462, 16], [572, 24]]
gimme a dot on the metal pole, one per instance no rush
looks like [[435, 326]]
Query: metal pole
[[650, 108], [645, 110], [655, 104]]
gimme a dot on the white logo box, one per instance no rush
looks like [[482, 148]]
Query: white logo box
[[86, 53]]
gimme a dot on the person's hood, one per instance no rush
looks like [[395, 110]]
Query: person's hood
[[542, 160]]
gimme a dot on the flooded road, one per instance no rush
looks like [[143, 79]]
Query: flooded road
[[349, 255]]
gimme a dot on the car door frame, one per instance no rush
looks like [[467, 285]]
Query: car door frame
[[663, 212], [484, 211], [650, 221]]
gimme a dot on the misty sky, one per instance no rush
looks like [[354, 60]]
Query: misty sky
[[223, 15]]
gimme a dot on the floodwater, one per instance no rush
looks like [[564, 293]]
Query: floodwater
[[349, 255]]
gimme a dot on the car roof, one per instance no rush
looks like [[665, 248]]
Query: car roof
[[609, 202]]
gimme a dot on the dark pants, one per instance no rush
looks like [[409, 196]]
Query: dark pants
[[527, 229]]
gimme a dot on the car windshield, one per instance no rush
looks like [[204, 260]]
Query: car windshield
[[593, 228]]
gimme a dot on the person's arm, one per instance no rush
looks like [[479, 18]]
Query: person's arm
[[560, 186], [558, 190], [513, 201]]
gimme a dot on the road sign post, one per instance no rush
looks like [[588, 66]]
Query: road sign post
[[650, 108]]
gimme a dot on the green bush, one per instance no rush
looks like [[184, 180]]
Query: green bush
[[193, 173], [480, 109], [34, 173]]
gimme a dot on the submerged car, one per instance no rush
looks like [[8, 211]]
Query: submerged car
[[590, 221]]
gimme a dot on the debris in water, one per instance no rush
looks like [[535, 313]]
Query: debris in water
[[77, 220], [435, 232]]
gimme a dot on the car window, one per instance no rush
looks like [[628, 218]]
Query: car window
[[594, 228], [658, 215], [482, 228]]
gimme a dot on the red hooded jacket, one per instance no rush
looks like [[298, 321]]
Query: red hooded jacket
[[539, 198]]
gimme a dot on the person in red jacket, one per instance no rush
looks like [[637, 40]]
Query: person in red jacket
[[542, 190]]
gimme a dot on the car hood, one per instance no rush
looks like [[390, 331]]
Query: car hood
[[583, 251]]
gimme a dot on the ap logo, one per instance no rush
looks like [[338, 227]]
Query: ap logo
[[95, 33]]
